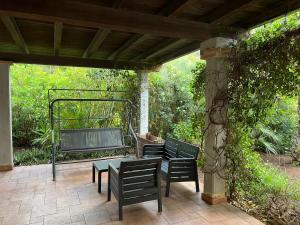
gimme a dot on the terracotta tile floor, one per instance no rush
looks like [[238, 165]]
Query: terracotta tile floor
[[29, 196]]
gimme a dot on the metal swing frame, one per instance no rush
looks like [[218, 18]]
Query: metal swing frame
[[99, 132]]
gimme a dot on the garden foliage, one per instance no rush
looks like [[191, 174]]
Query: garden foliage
[[31, 125], [263, 92]]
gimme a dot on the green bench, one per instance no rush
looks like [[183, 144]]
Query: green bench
[[178, 161]]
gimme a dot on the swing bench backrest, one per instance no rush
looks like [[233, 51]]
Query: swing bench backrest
[[96, 139]]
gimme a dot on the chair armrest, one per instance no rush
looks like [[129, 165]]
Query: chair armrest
[[153, 149], [113, 181], [113, 170]]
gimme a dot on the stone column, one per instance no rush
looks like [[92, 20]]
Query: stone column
[[144, 102], [6, 149], [214, 51]]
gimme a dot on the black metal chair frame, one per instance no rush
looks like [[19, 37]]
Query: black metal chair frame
[[120, 143], [136, 181], [179, 161]]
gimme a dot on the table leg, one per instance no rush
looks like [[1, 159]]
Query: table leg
[[99, 182], [93, 179]]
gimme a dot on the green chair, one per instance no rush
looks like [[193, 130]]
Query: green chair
[[136, 181]]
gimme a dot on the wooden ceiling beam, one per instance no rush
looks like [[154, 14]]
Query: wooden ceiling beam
[[168, 10], [278, 9], [13, 29], [215, 15], [72, 61], [154, 49], [130, 43], [100, 36], [97, 41], [173, 7], [58, 28], [163, 49], [80, 14], [180, 52]]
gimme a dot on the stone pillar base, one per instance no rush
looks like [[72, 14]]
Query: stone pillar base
[[213, 200], [6, 167]]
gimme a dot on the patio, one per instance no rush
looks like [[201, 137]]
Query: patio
[[133, 35], [29, 196]]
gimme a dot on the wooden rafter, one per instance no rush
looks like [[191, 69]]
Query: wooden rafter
[[130, 43], [15, 32], [280, 8], [97, 41], [154, 49], [80, 17], [163, 49], [100, 36], [171, 8], [180, 52], [212, 17], [72, 61], [215, 15], [58, 28], [84, 15]]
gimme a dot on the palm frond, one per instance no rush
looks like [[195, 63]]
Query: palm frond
[[269, 133], [268, 146]]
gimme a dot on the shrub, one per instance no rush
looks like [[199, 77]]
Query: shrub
[[43, 139], [277, 131], [184, 131], [171, 99], [32, 156], [264, 191]]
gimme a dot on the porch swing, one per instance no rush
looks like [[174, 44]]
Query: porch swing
[[93, 136]]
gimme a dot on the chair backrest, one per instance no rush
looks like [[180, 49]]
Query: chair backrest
[[81, 139], [140, 180], [171, 148], [153, 150], [186, 150]]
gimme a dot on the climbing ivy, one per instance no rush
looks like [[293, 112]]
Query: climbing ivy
[[260, 72], [262, 66]]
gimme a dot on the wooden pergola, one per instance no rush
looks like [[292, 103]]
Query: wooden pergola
[[128, 34], [131, 34]]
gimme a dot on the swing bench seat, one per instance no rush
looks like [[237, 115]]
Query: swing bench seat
[[89, 140]]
